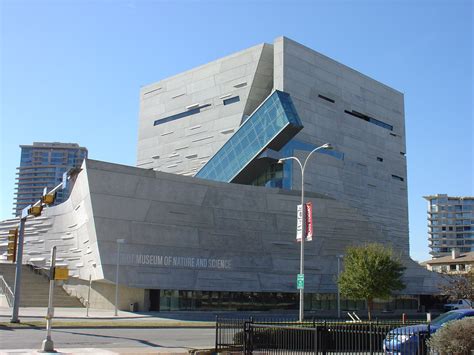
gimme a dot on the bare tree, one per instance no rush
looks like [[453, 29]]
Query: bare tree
[[460, 286]]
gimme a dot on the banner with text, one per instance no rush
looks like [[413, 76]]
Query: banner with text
[[299, 222], [309, 221]]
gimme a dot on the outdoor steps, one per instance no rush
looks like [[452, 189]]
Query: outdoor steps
[[35, 288]]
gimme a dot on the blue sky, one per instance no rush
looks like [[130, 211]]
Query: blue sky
[[71, 72]]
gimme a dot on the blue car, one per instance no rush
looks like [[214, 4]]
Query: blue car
[[410, 340]]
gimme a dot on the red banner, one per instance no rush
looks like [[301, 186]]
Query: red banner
[[309, 221]]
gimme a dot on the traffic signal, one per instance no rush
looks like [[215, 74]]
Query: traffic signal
[[35, 210], [12, 244], [49, 199]]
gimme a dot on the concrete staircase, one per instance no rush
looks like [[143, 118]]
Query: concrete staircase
[[35, 288]]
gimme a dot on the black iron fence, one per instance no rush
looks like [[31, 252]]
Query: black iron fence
[[268, 336]]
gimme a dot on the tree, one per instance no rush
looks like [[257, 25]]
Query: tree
[[459, 286], [370, 271]]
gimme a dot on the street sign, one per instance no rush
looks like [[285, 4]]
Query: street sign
[[300, 282], [309, 221], [61, 273], [299, 222]]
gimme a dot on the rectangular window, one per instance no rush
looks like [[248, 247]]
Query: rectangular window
[[231, 100], [326, 98], [369, 119], [396, 177], [180, 115], [379, 159]]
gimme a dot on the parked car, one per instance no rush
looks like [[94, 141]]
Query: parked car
[[459, 304], [410, 340]]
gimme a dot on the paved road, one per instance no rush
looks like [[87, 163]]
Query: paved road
[[108, 338]]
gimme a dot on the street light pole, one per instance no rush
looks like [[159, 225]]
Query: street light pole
[[119, 241], [302, 167]]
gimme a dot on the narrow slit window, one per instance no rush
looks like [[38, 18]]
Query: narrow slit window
[[369, 119], [231, 100], [326, 98], [189, 112], [379, 159], [399, 178]]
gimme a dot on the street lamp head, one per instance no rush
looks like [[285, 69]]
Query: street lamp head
[[327, 146], [280, 161]]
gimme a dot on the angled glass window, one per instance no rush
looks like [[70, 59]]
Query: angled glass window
[[272, 125]]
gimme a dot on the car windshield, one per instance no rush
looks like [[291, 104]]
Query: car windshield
[[446, 317]]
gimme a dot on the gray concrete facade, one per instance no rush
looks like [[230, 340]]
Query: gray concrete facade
[[186, 233], [183, 146], [372, 176]]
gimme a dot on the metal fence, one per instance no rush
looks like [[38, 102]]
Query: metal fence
[[6, 290], [320, 337]]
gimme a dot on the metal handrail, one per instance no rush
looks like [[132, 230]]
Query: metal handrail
[[6, 290]]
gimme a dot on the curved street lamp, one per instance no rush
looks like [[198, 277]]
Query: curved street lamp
[[327, 146]]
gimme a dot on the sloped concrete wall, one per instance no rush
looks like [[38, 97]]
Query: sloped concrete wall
[[191, 234]]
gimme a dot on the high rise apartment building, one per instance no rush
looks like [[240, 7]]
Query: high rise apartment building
[[42, 165], [450, 224]]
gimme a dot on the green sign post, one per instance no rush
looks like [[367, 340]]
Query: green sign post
[[300, 282]]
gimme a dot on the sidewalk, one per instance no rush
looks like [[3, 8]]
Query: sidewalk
[[35, 316], [77, 351]]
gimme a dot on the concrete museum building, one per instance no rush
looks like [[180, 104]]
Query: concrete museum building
[[207, 219]]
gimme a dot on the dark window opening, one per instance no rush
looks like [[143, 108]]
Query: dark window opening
[[326, 98], [272, 177], [231, 100], [393, 134], [379, 159], [369, 119], [180, 115], [402, 153], [396, 177]]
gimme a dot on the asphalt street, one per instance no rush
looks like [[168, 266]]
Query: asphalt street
[[18, 338]]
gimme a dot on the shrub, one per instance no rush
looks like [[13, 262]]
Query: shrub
[[455, 337]]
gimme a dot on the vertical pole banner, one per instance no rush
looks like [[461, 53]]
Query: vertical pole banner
[[299, 222], [309, 221]]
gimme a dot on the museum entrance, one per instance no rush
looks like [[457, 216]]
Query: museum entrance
[[155, 300]]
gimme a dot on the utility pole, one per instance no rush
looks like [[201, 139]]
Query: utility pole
[[19, 264], [48, 344], [48, 198]]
